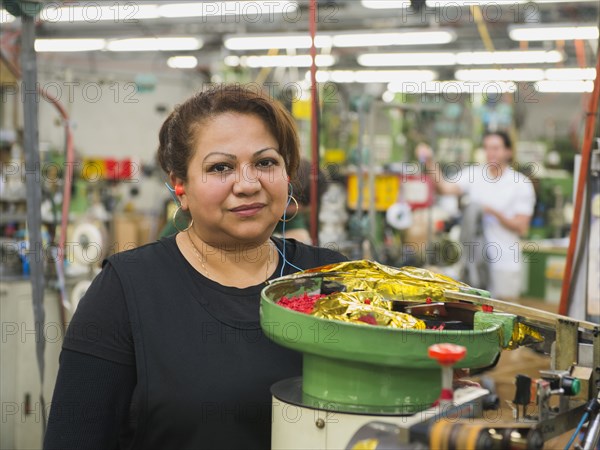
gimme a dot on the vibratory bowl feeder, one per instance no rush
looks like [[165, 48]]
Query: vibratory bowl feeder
[[384, 350]]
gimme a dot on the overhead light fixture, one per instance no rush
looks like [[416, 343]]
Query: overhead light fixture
[[564, 1], [93, 12], [392, 38], [552, 33], [69, 45], [460, 3], [403, 4], [253, 10], [508, 57], [452, 88], [385, 4], [373, 76], [462, 58], [406, 59], [287, 61], [571, 74], [500, 75], [155, 44], [286, 41], [6, 17], [275, 41], [564, 86], [182, 62]]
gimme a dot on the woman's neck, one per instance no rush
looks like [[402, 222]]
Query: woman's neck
[[231, 264]]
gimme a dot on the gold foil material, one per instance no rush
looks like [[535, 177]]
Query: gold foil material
[[523, 335], [404, 284], [352, 306]]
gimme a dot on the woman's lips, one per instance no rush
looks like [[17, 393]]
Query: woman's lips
[[248, 210]]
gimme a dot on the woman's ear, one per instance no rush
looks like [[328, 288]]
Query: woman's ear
[[178, 185]]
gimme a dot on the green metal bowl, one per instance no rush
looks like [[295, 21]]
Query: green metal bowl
[[368, 368]]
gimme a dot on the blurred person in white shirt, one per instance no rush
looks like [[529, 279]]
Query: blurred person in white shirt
[[507, 199]]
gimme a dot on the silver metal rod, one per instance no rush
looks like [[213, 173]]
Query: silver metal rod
[[593, 434], [33, 182]]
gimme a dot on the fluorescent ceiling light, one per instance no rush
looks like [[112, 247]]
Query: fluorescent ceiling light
[[285, 41], [552, 33], [564, 86], [459, 3], [402, 4], [287, 61], [406, 59], [373, 76], [253, 10], [6, 17], [69, 45], [508, 57], [93, 12], [462, 58], [571, 74], [564, 1], [155, 44], [385, 4], [452, 87], [131, 11], [500, 75], [275, 41], [402, 38], [182, 62]]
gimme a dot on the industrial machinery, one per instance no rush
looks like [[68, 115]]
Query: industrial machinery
[[367, 386]]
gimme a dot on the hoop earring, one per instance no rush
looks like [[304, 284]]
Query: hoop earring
[[174, 220], [295, 214]]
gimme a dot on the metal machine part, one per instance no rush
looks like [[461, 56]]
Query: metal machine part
[[300, 421], [573, 378], [592, 436]]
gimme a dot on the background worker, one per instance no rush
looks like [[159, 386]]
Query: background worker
[[507, 199]]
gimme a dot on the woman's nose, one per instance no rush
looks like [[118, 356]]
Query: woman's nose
[[247, 181]]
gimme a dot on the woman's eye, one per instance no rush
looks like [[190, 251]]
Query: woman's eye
[[219, 168], [267, 163]]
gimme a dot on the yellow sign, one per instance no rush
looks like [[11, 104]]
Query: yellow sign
[[301, 109], [386, 191]]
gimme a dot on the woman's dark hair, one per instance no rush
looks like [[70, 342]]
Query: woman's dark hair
[[506, 140], [179, 131]]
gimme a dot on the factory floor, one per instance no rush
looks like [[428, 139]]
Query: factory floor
[[527, 362]]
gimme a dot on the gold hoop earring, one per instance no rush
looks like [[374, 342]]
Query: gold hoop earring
[[174, 220], [295, 214]]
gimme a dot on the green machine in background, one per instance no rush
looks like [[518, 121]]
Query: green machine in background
[[551, 218]]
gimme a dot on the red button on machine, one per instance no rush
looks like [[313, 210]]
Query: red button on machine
[[447, 354]]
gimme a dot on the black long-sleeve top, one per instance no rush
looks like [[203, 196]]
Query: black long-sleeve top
[[158, 356]]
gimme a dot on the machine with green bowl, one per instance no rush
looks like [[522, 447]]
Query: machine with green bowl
[[368, 368], [364, 383]]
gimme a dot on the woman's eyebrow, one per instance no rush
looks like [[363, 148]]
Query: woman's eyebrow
[[227, 155], [264, 150], [232, 156]]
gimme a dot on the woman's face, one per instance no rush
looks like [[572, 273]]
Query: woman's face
[[237, 184]]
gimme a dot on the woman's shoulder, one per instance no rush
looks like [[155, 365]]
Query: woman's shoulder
[[308, 256], [147, 253]]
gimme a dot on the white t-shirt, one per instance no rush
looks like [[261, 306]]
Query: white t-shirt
[[511, 194]]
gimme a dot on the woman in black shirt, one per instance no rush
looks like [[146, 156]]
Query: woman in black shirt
[[165, 349]]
